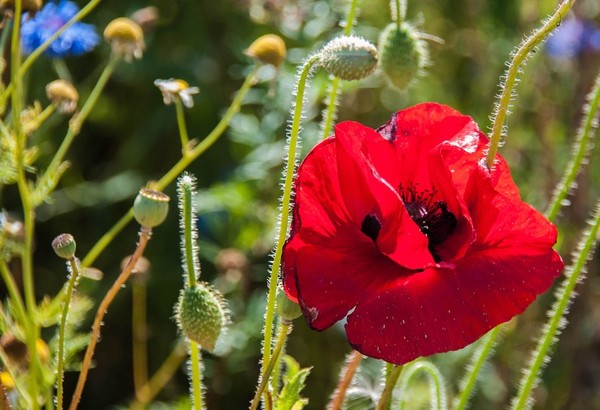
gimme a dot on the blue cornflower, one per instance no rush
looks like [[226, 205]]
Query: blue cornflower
[[78, 39], [573, 37]]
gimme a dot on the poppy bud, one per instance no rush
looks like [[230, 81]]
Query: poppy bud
[[201, 315], [403, 54], [287, 309], [63, 95], [126, 37], [268, 49], [349, 57], [150, 207], [64, 246]]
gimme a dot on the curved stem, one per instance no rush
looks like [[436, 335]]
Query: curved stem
[[285, 207], [196, 365], [436, 380], [284, 331], [145, 235], [183, 133], [510, 78], [556, 321], [176, 170], [581, 148], [392, 376], [152, 387], [74, 275], [348, 374], [477, 361]]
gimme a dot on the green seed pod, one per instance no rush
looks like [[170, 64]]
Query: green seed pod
[[287, 309], [403, 54], [64, 245], [201, 315], [349, 58], [150, 207]]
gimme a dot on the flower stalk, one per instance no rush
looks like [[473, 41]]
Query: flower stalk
[[293, 138], [183, 133], [352, 363], [393, 373], [510, 77], [436, 383]]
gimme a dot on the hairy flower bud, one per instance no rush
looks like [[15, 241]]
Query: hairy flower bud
[[64, 246], [403, 54], [126, 37], [287, 309], [150, 207], [268, 49], [63, 95], [201, 315], [349, 57]]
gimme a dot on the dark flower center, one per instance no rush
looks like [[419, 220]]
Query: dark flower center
[[432, 216], [370, 226]]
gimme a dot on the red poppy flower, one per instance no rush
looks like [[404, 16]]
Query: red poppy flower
[[408, 235]]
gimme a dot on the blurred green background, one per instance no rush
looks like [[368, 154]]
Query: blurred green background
[[131, 137]]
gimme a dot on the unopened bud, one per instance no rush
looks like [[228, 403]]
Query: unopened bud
[[126, 38], [201, 315], [63, 95], [349, 58], [403, 54], [64, 246], [268, 49], [287, 309], [150, 207]]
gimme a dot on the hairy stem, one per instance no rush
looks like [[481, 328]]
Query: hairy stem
[[391, 379], [73, 276], [285, 207], [196, 365], [436, 381], [349, 371], [284, 331], [510, 77], [581, 147]]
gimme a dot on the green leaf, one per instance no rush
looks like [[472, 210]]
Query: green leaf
[[294, 382]]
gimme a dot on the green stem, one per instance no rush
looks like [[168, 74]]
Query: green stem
[[62, 70], [176, 170], [74, 275], [392, 376], [44, 46], [166, 371], [581, 147], [189, 232], [329, 113], [76, 123], [183, 133], [284, 331], [478, 359], [556, 321], [510, 77], [400, 12], [196, 365], [285, 207], [436, 380]]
